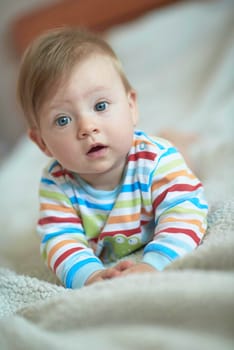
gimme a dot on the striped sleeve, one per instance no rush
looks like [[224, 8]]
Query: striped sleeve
[[179, 207], [64, 246]]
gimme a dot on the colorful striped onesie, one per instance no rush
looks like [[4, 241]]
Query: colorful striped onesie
[[159, 205]]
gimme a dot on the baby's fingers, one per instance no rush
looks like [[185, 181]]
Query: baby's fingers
[[110, 273], [124, 265]]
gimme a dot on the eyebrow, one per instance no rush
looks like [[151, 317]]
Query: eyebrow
[[88, 92], [96, 89]]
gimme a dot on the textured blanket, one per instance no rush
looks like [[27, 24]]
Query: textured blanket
[[188, 306], [188, 84]]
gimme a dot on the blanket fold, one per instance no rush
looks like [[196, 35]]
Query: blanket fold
[[192, 301]]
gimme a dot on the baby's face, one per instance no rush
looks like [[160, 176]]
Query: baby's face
[[88, 124]]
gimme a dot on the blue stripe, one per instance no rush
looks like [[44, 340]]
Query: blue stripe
[[165, 207], [151, 139], [80, 255], [49, 236], [176, 242], [155, 247], [134, 187], [143, 170], [53, 165], [155, 142], [139, 133], [197, 203], [171, 150], [75, 268], [47, 181], [82, 202], [184, 197]]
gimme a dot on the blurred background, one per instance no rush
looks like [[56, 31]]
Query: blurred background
[[11, 121], [202, 54], [21, 20]]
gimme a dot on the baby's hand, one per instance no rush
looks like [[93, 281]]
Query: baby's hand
[[102, 275], [123, 268], [124, 265], [109, 273], [137, 268]]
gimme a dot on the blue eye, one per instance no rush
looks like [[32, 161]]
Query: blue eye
[[63, 120], [101, 106]]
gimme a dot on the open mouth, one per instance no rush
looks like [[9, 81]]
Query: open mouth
[[96, 148]]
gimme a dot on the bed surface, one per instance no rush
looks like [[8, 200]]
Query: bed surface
[[183, 73]]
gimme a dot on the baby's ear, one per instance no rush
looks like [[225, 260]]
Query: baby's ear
[[132, 100], [35, 135]]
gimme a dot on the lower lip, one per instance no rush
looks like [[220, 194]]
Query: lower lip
[[98, 154]]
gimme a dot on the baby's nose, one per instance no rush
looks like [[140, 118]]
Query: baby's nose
[[86, 127]]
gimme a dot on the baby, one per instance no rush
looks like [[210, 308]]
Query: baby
[[109, 190]]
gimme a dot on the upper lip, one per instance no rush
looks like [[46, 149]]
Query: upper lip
[[95, 146]]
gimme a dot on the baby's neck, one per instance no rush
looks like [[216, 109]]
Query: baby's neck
[[101, 183], [108, 181]]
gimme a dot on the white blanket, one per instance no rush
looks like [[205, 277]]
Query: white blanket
[[189, 306], [180, 60]]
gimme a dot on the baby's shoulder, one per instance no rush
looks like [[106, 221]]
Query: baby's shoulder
[[158, 144], [53, 171], [51, 168]]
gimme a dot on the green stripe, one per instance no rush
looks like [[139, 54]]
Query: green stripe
[[127, 203], [44, 254], [167, 168], [101, 217], [79, 238], [92, 224], [131, 203], [186, 211], [54, 195]]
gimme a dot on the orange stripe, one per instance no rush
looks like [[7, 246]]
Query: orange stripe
[[165, 180], [145, 212], [58, 246], [138, 142], [123, 218], [189, 221], [57, 208]]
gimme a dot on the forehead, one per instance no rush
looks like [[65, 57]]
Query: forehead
[[95, 66], [93, 75], [95, 71]]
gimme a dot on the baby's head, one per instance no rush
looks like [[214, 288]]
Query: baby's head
[[49, 61], [79, 105]]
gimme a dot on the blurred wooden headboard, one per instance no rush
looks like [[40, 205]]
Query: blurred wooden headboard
[[97, 15]]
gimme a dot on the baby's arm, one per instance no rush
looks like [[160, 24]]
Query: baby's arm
[[64, 246], [180, 210]]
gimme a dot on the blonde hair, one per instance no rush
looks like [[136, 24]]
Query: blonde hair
[[49, 61]]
